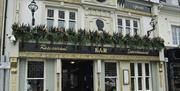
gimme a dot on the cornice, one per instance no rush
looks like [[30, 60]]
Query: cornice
[[46, 55]]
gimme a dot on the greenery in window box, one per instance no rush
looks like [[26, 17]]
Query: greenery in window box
[[127, 40], [117, 39], [157, 43], [39, 33], [136, 42], [24, 32], [146, 43]]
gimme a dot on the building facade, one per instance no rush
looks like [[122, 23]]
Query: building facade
[[169, 17], [53, 55]]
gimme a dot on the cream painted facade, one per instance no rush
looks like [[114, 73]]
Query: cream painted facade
[[86, 14], [169, 27]]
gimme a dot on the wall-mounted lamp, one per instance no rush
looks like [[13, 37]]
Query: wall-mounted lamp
[[33, 7]]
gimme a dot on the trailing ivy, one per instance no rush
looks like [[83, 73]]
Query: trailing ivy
[[24, 32]]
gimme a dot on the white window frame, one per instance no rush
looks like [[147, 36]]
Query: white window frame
[[117, 77], [177, 36], [26, 74], [56, 17], [143, 76], [124, 32]]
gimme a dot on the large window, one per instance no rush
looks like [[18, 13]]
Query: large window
[[110, 76], [176, 35], [140, 77], [61, 18], [128, 26], [35, 76]]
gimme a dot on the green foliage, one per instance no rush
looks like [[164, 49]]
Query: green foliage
[[24, 32]]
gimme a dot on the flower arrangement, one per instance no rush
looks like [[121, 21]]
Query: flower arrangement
[[24, 32]]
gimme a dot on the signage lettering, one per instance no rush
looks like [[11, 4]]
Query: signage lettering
[[101, 50], [44, 47]]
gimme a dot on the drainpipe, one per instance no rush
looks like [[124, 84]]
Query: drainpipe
[[3, 44]]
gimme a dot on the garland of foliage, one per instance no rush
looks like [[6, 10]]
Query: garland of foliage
[[24, 32]]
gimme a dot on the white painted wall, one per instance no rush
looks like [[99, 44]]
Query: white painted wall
[[172, 2], [166, 19]]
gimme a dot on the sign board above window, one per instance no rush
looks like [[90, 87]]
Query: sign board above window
[[154, 1], [138, 7]]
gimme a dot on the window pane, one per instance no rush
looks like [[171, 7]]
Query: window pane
[[50, 23], [110, 84], [135, 31], [120, 22], [50, 13], [139, 69], [132, 69], [72, 24], [178, 30], [147, 83], [147, 69], [110, 69], [174, 35], [61, 14], [135, 23], [132, 83], [35, 85], [72, 15], [139, 83], [35, 69], [128, 30], [120, 29], [127, 22], [61, 23]]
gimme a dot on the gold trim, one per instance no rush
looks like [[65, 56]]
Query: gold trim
[[13, 61], [87, 56]]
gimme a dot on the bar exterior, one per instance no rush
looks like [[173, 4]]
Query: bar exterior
[[85, 45]]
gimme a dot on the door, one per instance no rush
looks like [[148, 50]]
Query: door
[[77, 75]]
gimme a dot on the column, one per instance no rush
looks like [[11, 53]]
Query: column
[[13, 74], [97, 75], [58, 74]]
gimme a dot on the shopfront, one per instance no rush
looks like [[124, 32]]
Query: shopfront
[[173, 67], [56, 67]]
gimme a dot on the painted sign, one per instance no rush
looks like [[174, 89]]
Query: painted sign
[[69, 48], [4, 65], [139, 7]]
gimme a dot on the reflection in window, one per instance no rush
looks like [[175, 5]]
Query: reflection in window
[[128, 26], [35, 76], [176, 34], [61, 23], [110, 76], [50, 13], [50, 23], [61, 18], [140, 76], [71, 24], [35, 85]]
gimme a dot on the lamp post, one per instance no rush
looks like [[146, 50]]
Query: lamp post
[[33, 7]]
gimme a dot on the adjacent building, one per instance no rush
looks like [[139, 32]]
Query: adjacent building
[[4, 66], [84, 45], [169, 18]]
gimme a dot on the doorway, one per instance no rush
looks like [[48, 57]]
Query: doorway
[[77, 75]]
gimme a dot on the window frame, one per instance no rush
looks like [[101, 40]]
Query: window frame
[[26, 74], [131, 27], [117, 75], [177, 34], [143, 77], [66, 17]]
